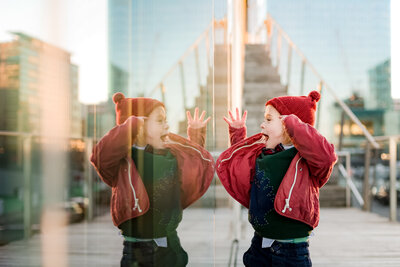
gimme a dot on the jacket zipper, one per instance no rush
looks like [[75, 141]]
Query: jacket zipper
[[262, 140], [133, 189], [291, 189]]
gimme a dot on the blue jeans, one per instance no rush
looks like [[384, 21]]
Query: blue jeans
[[137, 254], [279, 254]]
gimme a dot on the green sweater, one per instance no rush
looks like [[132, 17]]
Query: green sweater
[[158, 170], [270, 170]]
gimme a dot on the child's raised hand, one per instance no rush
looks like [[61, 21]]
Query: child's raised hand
[[197, 122], [238, 122]]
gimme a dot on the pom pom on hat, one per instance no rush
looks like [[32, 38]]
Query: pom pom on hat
[[138, 106], [302, 106], [315, 96], [118, 97]]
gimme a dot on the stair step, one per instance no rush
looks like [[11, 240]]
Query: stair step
[[215, 197], [261, 74], [263, 90], [332, 196]]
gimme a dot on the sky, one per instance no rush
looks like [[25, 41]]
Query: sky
[[77, 26], [160, 34], [342, 39]]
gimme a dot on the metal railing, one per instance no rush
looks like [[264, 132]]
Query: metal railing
[[23, 148], [275, 38], [392, 142], [346, 172], [266, 34], [206, 38]]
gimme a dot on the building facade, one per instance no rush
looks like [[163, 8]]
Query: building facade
[[33, 72]]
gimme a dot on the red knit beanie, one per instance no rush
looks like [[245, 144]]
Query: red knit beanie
[[139, 106], [302, 106]]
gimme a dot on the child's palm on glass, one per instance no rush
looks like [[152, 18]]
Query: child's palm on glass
[[197, 122], [238, 122]]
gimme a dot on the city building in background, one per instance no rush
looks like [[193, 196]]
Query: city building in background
[[39, 106], [379, 86], [378, 111], [380, 96], [22, 73]]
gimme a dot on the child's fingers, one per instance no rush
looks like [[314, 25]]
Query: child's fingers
[[244, 115], [237, 114], [230, 114], [189, 116], [207, 120], [227, 120], [202, 115]]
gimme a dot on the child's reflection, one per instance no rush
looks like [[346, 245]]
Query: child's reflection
[[154, 175]]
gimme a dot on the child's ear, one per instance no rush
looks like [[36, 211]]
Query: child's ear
[[118, 97]]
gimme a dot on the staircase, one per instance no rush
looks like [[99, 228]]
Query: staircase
[[332, 194], [219, 139], [261, 83]]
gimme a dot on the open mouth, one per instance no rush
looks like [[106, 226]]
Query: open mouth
[[164, 137]]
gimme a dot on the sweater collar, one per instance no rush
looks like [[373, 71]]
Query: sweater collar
[[269, 151]]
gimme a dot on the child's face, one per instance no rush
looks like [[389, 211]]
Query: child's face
[[156, 128], [272, 127]]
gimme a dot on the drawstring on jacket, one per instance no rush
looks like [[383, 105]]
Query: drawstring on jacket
[[262, 140], [133, 189], [137, 206], [291, 189]]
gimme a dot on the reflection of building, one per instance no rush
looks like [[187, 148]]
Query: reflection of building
[[352, 133], [379, 78], [119, 44], [26, 67], [100, 119], [380, 88], [380, 113], [118, 81], [75, 105], [39, 96], [379, 83]]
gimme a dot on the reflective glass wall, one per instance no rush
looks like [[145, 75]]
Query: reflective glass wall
[[61, 165]]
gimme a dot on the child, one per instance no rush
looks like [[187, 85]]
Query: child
[[154, 175], [277, 175]]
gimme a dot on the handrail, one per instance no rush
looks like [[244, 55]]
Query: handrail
[[386, 137], [351, 184], [270, 22], [26, 134], [11, 133], [393, 142], [180, 60], [27, 174], [346, 172]]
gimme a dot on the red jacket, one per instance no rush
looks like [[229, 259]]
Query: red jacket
[[111, 159], [298, 195]]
